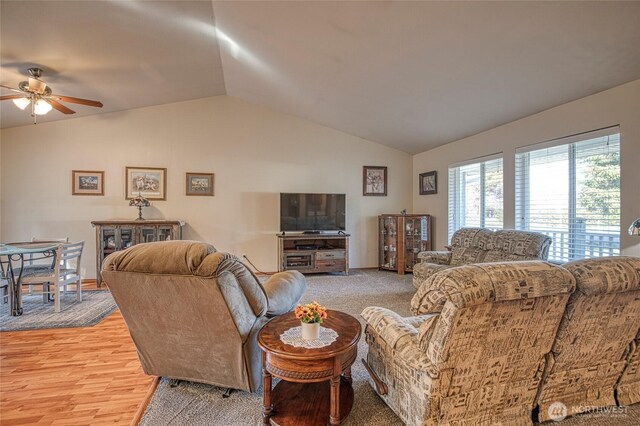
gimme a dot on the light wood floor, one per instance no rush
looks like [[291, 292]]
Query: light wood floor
[[71, 376]]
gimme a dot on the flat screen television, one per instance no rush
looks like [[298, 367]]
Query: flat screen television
[[312, 212]]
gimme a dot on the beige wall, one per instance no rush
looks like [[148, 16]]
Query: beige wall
[[255, 153], [620, 105]]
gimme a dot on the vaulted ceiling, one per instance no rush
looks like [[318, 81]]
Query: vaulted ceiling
[[410, 75]]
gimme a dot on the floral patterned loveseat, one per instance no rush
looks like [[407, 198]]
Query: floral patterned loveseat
[[480, 245]]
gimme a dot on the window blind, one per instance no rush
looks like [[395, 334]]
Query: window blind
[[571, 192], [476, 194]]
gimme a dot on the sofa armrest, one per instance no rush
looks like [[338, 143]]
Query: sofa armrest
[[390, 326], [284, 290], [423, 271], [437, 257], [400, 335]]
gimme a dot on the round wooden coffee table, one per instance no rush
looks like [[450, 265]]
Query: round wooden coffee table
[[313, 390]]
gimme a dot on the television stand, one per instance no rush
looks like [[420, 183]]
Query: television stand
[[314, 253]]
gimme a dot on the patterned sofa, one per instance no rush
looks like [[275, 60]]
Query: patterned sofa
[[491, 342], [596, 338], [480, 245], [471, 354]]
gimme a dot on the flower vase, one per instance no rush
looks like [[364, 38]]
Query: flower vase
[[311, 330]]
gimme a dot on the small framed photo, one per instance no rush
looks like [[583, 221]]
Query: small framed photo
[[84, 182], [200, 184], [374, 180], [428, 183], [150, 182]]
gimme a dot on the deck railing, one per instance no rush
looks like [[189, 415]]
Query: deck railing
[[565, 247]]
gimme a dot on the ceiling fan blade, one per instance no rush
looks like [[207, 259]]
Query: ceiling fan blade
[[7, 97], [37, 86], [63, 109], [11, 88], [73, 100]]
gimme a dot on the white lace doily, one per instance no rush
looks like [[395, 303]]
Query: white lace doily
[[293, 337]]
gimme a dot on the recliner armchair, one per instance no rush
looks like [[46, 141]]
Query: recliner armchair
[[194, 313], [594, 361], [475, 354], [480, 245]]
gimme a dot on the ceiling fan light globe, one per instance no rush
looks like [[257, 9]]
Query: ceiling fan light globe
[[42, 107], [22, 103]]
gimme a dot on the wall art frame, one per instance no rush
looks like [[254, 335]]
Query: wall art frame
[[374, 181], [87, 182], [149, 182]]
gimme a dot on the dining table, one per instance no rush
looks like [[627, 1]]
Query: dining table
[[12, 263]]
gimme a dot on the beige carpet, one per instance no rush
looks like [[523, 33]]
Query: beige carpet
[[197, 404]]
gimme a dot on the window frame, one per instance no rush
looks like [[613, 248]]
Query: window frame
[[456, 201], [522, 197]]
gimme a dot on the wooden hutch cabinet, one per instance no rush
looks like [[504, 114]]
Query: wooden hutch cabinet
[[114, 235], [400, 239]]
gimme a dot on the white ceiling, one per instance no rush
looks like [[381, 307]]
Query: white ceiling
[[124, 54], [411, 75]]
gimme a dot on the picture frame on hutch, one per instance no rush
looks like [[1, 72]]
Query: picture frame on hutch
[[200, 184], [374, 181], [149, 182], [85, 182], [428, 183]]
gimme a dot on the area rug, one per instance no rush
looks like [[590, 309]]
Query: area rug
[[95, 306], [197, 404]]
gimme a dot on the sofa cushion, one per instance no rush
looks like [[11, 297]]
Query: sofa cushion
[[490, 282], [466, 255], [606, 274], [469, 237], [469, 245], [510, 244]]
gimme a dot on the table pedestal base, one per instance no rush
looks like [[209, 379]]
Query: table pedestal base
[[307, 404]]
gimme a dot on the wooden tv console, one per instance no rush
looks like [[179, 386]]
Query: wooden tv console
[[314, 253]]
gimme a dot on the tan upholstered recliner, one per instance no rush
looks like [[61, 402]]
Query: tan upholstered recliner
[[595, 340], [194, 313], [475, 352], [480, 245]]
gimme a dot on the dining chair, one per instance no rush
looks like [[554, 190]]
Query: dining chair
[[32, 260], [64, 270], [4, 289]]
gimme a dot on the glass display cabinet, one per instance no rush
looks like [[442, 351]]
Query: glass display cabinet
[[400, 239], [114, 235]]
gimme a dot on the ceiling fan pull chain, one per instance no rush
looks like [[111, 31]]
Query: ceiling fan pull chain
[[33, 109]]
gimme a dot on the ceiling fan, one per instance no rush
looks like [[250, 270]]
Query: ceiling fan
[[36, 92]]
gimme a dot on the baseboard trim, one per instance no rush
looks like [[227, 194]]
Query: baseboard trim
[[145, 401]]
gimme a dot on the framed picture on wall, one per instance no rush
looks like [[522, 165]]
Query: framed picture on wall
[[150, 182], [200, 184], [84, 182], [374, 180], [428, 183]]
